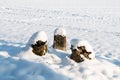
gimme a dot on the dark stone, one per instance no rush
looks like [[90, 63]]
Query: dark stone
[[79, 51], [39, 48], [59, 42], [76, 56], [84, 52]]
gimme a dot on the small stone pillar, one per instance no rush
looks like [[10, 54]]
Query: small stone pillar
[[38, 43], [79, 48], [76, 53], [60, 39]]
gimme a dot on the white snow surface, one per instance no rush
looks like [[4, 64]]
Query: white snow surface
[[77, 43], [60, 31], [20, 19], [5, 54], [86, 44], [40, 35]]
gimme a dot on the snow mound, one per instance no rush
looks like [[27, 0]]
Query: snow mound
[[12, 69], [77, 43], [60, 31], [41, 35], [27, 53]]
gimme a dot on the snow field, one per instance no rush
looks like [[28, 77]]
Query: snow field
[[18, 62]]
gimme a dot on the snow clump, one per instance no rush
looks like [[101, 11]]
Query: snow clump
[[60, 31]]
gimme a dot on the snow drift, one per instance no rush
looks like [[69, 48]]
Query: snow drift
[[27, 53]]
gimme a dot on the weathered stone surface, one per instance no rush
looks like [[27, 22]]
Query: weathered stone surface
[[59, 42], [76, 53], [39, 48], [76, 56], [84, 52]]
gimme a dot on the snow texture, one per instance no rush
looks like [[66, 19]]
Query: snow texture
[[60, 31], [20, 19], [75, 43], [38, 36]]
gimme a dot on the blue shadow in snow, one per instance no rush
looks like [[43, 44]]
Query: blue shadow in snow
[[10, 47], [25, 70], [114, 61]]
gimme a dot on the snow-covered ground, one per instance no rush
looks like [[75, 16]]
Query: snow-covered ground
[[100, 27]]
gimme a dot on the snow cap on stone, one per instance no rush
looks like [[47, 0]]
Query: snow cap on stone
[[88, 48], [77, 43], [74, 43], [60, 31], [86, 44], [41, 35]]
